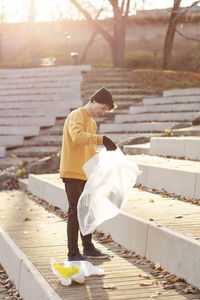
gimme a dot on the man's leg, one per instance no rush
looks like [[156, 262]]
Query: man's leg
[[74, 188]]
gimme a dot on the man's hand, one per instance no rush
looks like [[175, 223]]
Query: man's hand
[[108, 143]]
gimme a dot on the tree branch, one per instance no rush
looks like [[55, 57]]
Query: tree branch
[[187, 37], [127, 11], [106, 35], [180, 15]]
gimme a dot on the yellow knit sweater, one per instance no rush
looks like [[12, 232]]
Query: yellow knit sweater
[[78, 144]]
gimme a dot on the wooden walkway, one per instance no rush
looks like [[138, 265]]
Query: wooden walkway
[[41, 234]]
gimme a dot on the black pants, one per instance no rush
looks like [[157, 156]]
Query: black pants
[[74, 188]]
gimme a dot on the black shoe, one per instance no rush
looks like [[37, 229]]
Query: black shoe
[[94, 253], [76, 258]]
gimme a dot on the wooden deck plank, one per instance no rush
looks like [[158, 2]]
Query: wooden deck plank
[[44, 236]]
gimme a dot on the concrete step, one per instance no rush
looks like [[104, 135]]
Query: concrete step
[[22, 112], [32, 104], [126, 98], [189, 131], [181, 177], [33, 97], [121, 91], [187, 147], [11, 140], [54, 130], [21, 85], [136, 127], [122, 136], [2, 151], [20, 130], [35, 91], [133, 229], [43, 140], [34, 151], [137, 149], [182, 92], [173, 100], [94, 86], [162, 117], [43, 71], [162, 108], [39, 80], [48, 120]]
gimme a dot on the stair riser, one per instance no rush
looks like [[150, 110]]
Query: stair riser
[[172, 100], [163, 108], [189, 149], [140, 127], [162, 117]]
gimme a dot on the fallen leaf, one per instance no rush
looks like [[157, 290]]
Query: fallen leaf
[[146, 283], [151, 200], [110, 287], [27, 219]]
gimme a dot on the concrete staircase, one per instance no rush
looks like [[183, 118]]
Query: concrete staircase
[[159, 220], [156, 114], [125, 94], [34, 99]]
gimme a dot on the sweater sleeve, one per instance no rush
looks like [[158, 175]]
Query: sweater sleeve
[[79, 135]]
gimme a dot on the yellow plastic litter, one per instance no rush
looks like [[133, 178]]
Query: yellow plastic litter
[[67, 274]]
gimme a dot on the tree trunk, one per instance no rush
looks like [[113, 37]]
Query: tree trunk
[[117, 40], [118, 44], [167, 50], [32, 41]]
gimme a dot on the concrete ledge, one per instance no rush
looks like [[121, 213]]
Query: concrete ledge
[[179, 147], [173, 181], [159, 117], [48, 120], [173, 100], [27, 279], [10, 140], [182, 92], [137, 149], [20, 130], [139, 127], [127, 230], [176, 252], [49, 72], [53, 193], [162, 108]]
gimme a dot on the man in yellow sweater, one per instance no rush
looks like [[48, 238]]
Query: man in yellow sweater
[[78, 146]]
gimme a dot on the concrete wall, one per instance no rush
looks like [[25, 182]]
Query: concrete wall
[[143, 33]]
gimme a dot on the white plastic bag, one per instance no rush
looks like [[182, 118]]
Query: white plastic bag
[[74, 271], [110, 178]]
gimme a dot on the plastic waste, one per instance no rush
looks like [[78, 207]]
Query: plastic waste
[[87, 268], [74, 271], [110, 179], [67, 274]]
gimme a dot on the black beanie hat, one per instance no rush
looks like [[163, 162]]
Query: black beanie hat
[[103, 96]]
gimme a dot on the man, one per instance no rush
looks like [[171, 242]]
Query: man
[[78, 146]]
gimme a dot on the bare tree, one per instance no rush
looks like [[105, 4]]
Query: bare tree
[[117, 39], [176, 14], [32, 38], [89, 44]]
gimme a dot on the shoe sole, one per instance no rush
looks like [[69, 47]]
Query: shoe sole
[[97, 257]]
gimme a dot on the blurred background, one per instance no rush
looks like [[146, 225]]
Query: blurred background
[[137, 34]]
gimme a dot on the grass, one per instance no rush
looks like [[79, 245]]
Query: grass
[[165, 80]]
